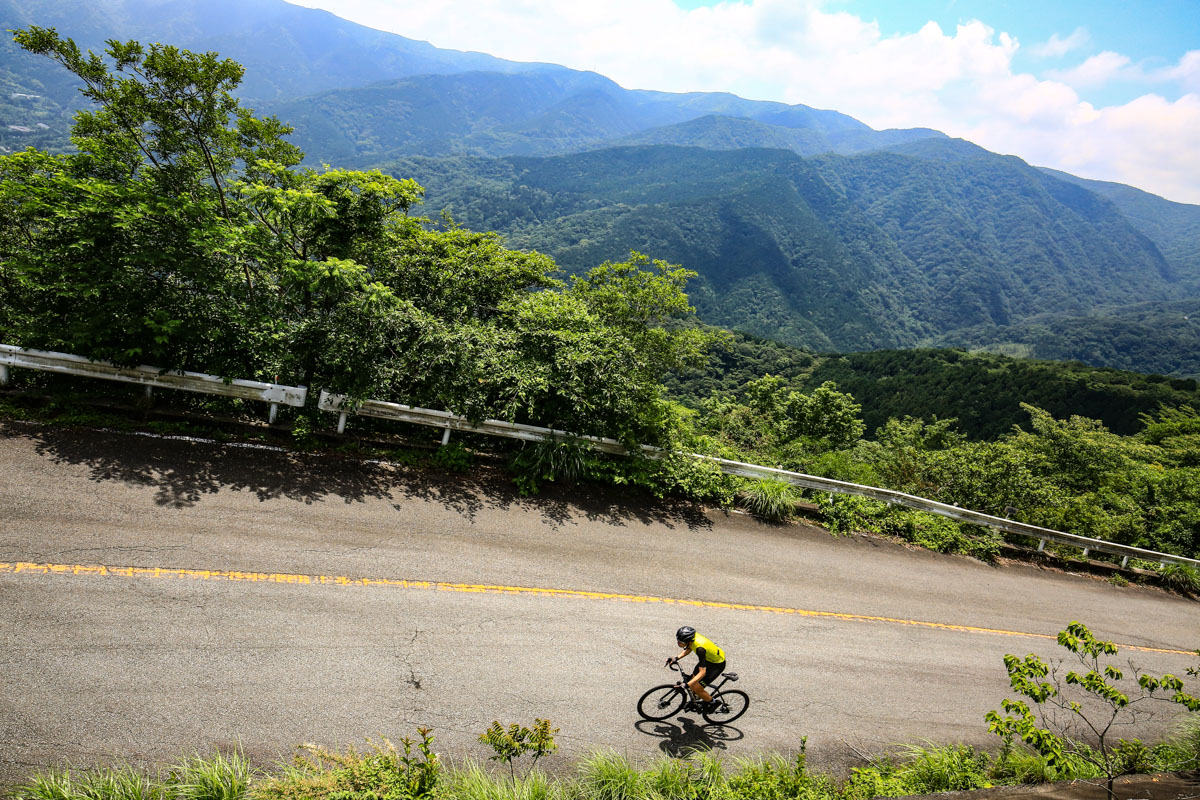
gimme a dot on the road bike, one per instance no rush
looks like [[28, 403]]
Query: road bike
[[671, 698]]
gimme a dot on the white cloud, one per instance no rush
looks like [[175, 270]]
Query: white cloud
[[1056, 47], [1095, 71], [1186, 72], [961, 81]]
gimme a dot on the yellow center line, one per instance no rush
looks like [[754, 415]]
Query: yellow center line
[[20, 567]]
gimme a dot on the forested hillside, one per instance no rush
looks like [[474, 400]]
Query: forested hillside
[[982, 391], [1147, 337], [879, 250]]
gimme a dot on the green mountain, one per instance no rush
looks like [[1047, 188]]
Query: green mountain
[[873, 251], [984, 391], [549, 112], [358, 94]]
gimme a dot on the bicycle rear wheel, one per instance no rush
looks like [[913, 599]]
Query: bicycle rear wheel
[[661, 702], [730, 706]]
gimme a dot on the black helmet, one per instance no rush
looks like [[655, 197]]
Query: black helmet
[[685, 634]]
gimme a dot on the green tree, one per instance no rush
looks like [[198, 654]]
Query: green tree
[[132, 249], [185, 234], [1076, 713]]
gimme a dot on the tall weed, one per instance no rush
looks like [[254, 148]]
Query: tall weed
[[769, 499], [122, 783], [607, 775], [215, 778], [472, 782]]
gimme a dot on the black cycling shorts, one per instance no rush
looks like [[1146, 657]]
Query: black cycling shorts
[[710, 673]]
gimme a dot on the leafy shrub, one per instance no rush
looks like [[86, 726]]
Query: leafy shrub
[[385, 773], [844, 514], [453, 457], [769, 499], [776, 778], [673, 475], [1117, 579]]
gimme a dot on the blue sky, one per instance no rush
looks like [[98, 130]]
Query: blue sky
[[1151, 33], [1102, 89]]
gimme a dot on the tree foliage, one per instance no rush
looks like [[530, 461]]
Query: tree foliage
[[184, 233]]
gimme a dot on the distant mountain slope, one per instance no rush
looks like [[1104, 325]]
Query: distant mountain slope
[[860, 252], [555, 111], [375, 95], [999, 240], [1174, 227], [288, 51], [719, 132]]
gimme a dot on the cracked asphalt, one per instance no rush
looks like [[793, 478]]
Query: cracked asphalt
[[101, 668]]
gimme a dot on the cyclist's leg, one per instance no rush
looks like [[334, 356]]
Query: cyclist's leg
[[711, 672], [697, 684]]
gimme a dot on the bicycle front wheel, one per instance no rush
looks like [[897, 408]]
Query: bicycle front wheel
[[661, 702], [730, 705]]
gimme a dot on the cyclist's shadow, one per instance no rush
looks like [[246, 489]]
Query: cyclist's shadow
[[687, 738]]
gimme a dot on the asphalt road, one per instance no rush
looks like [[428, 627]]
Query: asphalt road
[[853, 642]]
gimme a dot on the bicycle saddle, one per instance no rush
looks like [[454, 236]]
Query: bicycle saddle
[[731, 676]]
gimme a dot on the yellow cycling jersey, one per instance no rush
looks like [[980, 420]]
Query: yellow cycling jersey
[[712, 653]]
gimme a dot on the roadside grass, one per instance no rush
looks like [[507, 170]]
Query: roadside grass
[[385, 772]]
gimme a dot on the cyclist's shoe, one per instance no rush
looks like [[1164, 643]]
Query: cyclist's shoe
[[709, 707]]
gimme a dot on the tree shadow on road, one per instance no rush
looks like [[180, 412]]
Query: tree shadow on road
[[184, 472], [687, 737]]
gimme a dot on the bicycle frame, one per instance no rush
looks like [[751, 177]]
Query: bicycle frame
[[713, 688]]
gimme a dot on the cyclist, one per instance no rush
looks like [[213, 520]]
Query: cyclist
[[710, 660]]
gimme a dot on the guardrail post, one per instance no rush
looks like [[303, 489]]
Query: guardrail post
[[274, 413], [149, 393], [1124, 562], [342, 422], [1041, 545], [446, 437], [1085, 552], [3, 375]]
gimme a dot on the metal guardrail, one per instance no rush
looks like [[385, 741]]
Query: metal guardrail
[[150, 377], [491, 427]]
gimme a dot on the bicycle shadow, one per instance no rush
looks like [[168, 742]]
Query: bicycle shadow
[[688, 738]]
